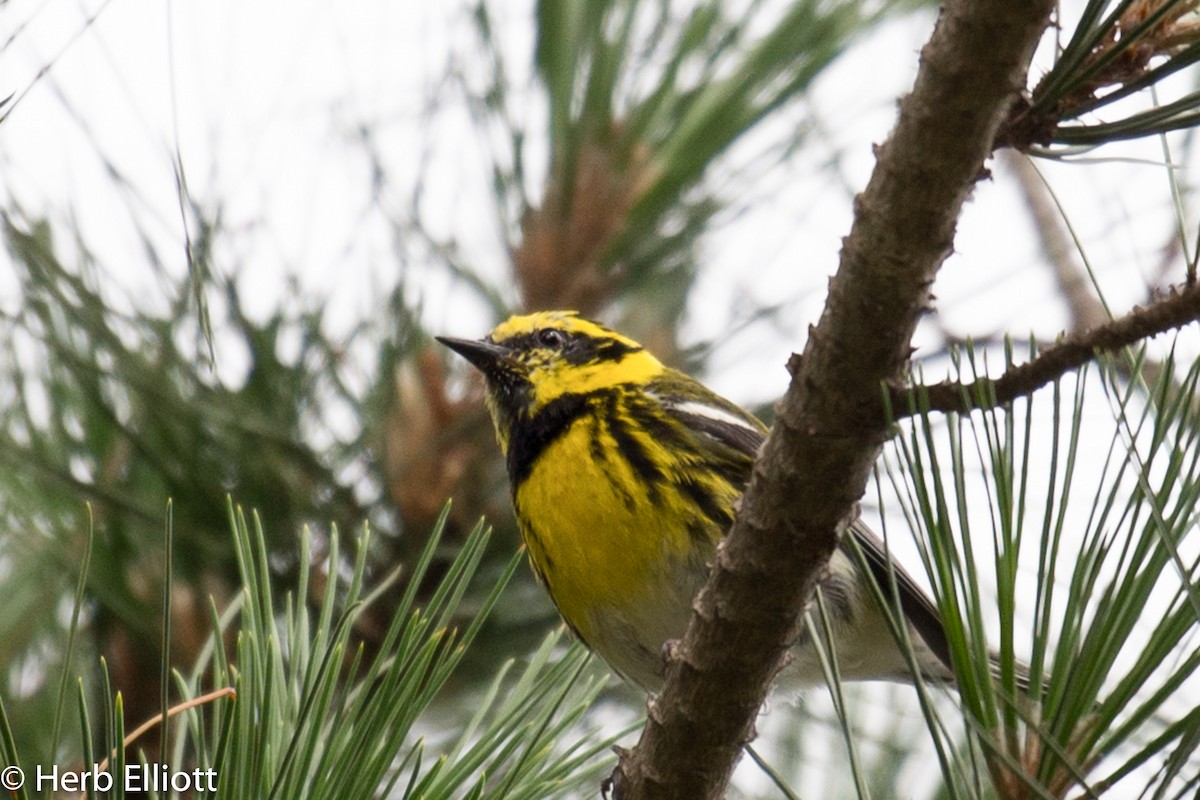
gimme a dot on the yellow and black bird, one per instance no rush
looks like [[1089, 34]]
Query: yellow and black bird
[[624, 477]]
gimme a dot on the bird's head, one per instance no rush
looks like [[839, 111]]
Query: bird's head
[[534, 359]]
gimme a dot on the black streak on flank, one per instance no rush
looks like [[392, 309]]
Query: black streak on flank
[[633, 451], [716, 513]]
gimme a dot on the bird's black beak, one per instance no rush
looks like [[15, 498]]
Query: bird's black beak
[[485, 356]]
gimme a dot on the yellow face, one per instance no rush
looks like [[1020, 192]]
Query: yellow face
[[534, 359], [560, 352]]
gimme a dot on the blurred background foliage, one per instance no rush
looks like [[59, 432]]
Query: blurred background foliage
[[616, 137]]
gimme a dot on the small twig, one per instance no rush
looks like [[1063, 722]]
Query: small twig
[[1071, 352], [204, 699]]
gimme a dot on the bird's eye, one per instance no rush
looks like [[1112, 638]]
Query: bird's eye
[[551, 337]]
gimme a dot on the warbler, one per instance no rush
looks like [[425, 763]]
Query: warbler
[[624, 477]]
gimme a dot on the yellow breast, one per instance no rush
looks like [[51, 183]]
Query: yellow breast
[[621, 562]]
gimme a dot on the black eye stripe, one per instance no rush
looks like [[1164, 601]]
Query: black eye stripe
[[576, 348], [523, 343], [585, 349]]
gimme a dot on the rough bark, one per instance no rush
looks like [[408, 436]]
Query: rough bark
[[816, 461]]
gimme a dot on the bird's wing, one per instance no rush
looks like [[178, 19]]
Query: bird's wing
[[722, 423], [728, 425], [918, 608]]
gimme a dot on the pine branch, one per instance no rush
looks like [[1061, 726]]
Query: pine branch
[[1064, 253], [1180, 308], [816, 461]]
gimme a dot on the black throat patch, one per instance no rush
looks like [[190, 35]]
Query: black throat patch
[[530, 436]]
